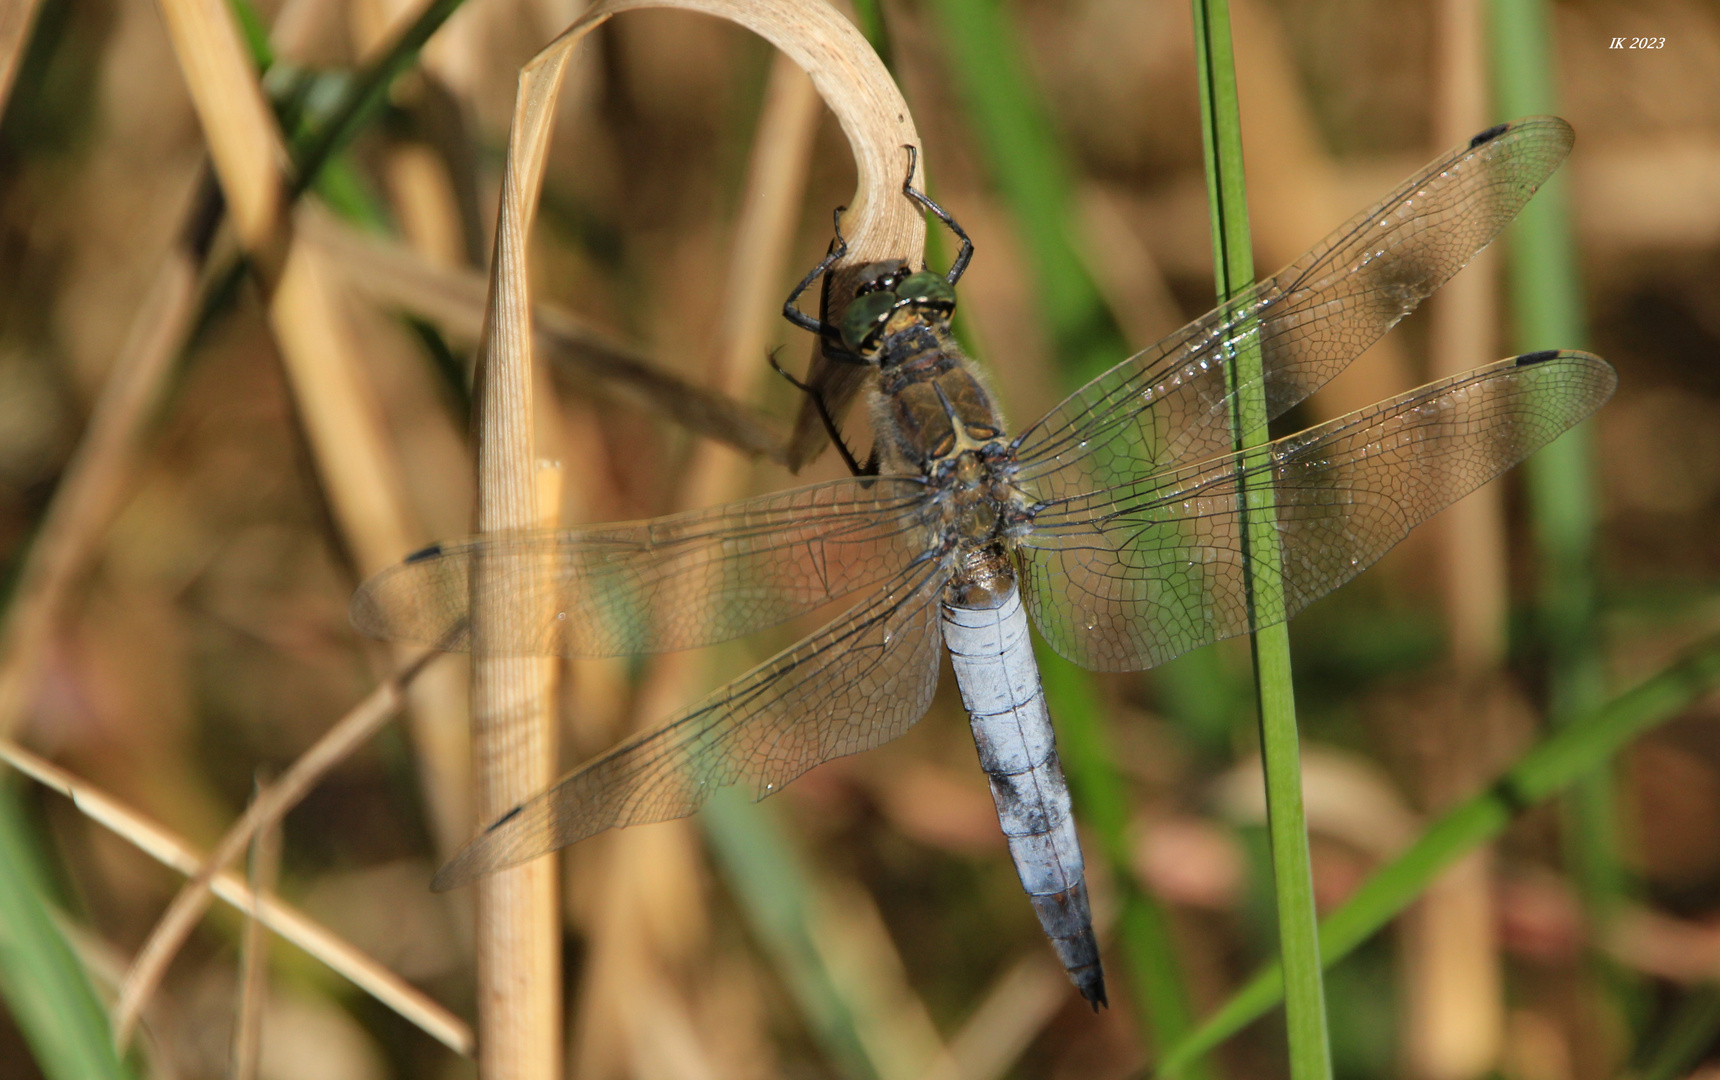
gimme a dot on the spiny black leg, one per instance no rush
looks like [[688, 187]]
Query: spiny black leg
[[854, 466], [792, 312], [965, 255]]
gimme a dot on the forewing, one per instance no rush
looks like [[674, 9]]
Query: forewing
[[857, 683], [1129, 577], [1171, 404], [673, 582]]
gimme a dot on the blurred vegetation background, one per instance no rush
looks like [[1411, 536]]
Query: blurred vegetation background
[[867, 922]]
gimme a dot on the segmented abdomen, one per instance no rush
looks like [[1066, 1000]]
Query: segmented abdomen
[[993, 659]]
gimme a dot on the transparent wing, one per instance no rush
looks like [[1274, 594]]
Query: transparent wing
[[1129, 577], [857, 683], [1171, 404], [674, 582]]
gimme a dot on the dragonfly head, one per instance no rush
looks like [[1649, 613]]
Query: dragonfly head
[[895, 303]]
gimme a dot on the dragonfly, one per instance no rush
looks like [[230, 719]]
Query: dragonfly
[[1118, 524]]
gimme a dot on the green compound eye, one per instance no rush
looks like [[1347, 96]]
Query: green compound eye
[[929, 291], [864, 319]]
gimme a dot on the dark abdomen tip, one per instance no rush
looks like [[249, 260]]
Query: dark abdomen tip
[[1068, 921]]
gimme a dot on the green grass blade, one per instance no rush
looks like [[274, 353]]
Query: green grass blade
[[774, 890], [1233, 262], [1546, 312], [46, 990], [1686, 1038], [1564, 757], [1029, 169], [366, 96], [1028, 166]]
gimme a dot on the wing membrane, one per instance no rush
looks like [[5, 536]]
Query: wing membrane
[[670, 583], [858, 683], [1129, 577], [1171, 404]]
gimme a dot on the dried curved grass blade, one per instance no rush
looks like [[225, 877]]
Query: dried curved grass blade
[[315, 939], [519, 1029], [855, 85]]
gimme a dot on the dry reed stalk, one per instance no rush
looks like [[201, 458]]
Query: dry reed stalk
[[588, 362], [647, 923], [175, 924], [1294, 186], [93, 484], [1461, 336], [890, 1020], [16, 19], [509, 752], [423, 198], [365, 488], [172, 851], [518, 947], [359, 474], [238, 124], [1454, 1007], [1009, 1017], [264, 868], [353, 459]]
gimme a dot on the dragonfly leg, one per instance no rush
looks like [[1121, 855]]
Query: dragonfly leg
[[826, 332], [965, 255], [830, 428]]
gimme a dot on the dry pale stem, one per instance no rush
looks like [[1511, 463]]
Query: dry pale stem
[[350, 732], [1454, 1007], [354, 460], [16, 18], [512, 745], [172, 851], [265, 865], [237, 122], [366, 490], [1010, 1016]]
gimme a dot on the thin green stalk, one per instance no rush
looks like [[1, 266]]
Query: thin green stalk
[[1233, 263], [367, 94], [1029, 168], [1566, 755], [46, 989]]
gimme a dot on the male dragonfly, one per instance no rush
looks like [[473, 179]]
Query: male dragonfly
[[1113, 521]]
